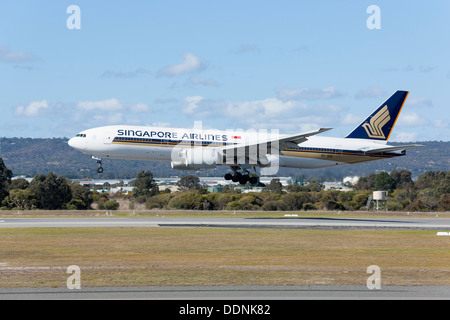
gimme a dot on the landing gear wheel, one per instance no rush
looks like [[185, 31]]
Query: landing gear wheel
[[99, 162], [253, 180], [244, 179], [228, 176], [237, 177]]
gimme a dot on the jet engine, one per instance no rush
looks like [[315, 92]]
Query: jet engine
[[194, 159]]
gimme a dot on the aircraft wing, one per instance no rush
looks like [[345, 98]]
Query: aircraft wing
[[272, 145], [294, 140], [391, 148], [300, 137]]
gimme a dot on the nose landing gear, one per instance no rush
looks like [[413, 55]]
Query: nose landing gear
[[99, 162]]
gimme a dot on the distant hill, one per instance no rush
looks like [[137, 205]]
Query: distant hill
[[28, 156]]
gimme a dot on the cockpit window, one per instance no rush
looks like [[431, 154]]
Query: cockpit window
[[81, 135]]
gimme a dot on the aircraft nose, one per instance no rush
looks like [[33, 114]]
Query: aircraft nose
[[71, 142], [74, 143]]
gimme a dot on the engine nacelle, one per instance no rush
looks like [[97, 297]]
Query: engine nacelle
[[194, 159]]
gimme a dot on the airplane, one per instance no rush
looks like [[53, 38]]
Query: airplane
[[195, 148]]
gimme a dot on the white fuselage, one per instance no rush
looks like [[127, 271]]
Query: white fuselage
[[160, 144]]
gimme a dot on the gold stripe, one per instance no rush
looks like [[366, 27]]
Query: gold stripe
[[346, 157], [392, 129], [162, 144]]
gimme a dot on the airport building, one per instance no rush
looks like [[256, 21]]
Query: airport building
[[213, 184]]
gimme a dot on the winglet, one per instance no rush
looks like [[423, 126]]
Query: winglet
[[379, 125]]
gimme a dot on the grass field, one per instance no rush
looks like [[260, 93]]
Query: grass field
[[215, 213], [39, 257]]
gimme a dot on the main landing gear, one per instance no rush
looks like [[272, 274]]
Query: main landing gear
[[241, 178], [99, 162]]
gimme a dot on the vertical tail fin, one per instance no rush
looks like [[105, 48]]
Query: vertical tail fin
[[379, 125]]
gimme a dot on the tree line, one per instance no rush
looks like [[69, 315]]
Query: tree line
[[430, 192], [31, 156], [49, 192]]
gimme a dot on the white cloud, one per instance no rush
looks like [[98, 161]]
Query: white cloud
[[426, 68], [405, 136], [7, 55], [265, 113], [291, 124], [408, 68], [110, 119], [419, 101], [140, 107], [308, 126], [307, 93], [159, 124], [111, 105], [104, 105], [199, 81], [441, 123], [262, 108], [33, 109], [351, 119], [411, 119], [190, 64], [191, 104], [68, 118], [124, 75], [371, 92]]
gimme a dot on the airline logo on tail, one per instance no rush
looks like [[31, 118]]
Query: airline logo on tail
[[379, 125], [374, 128]]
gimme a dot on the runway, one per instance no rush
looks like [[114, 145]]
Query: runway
[[438, 224], [206, 293]]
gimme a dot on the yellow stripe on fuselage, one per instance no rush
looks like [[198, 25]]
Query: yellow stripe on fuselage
[[330, 155]]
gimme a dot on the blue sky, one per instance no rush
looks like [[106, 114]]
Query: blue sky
[[286, 65]]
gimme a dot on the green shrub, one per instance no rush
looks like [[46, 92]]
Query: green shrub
[[309, 206], [111, 205], [394, 206], [191, 200]]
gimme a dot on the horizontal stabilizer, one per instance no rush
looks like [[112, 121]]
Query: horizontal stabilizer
[[392, 148]]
